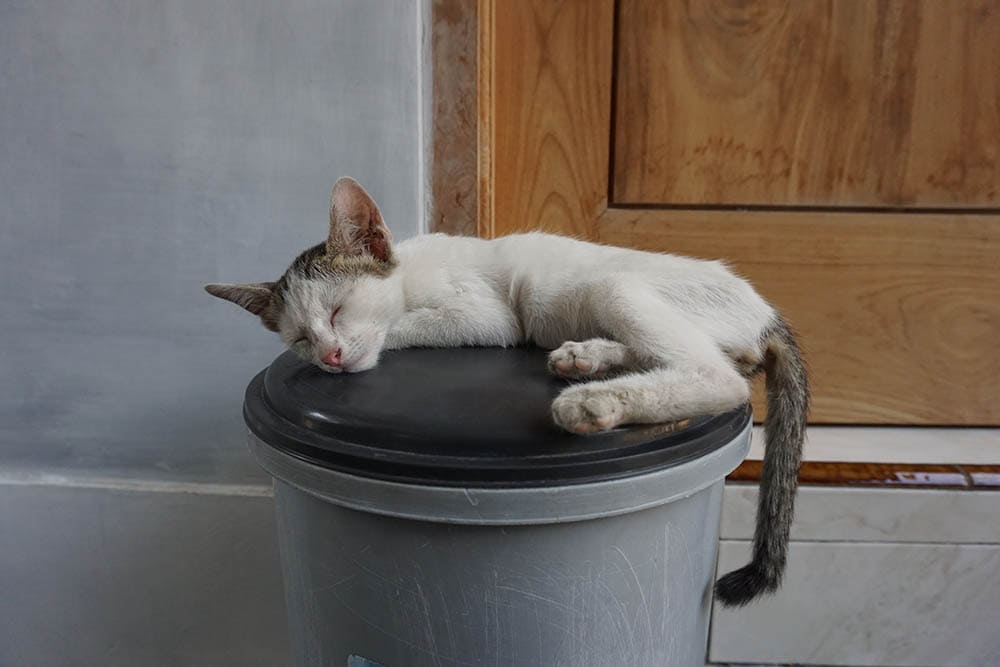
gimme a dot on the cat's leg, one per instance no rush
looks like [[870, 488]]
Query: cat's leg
[[686, 374], [649, 397], [594, 358], [634, 319]]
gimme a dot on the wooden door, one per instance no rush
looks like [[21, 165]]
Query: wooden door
[[842, 154]]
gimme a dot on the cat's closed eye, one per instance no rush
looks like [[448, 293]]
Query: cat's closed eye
[[334, 316]]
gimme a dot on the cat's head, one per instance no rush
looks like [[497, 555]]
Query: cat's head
[[335, 303]]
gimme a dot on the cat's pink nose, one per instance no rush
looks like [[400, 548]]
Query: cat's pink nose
[[332, 358]]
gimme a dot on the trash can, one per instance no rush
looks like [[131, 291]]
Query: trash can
[[431, 514]]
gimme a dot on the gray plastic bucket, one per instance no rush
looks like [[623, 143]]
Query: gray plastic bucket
[[426, 518]]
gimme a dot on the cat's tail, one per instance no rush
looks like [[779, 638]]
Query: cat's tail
[[784, 432]]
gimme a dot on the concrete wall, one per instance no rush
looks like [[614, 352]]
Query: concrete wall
[[148, 147]]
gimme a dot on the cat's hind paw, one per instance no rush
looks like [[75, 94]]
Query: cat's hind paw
[[590, 359], [588, 409]]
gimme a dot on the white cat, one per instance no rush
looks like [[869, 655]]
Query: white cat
[[652, 337]]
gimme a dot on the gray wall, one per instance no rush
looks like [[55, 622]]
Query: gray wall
[[105, 577], [148, 147]]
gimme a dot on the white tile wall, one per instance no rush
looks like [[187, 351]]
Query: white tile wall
[[876, 577], [855, 514], [882, 604]]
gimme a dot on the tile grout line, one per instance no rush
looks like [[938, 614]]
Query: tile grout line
[[57, 480]]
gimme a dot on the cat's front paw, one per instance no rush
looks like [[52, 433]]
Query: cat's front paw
[[590, 359], [588, 409]]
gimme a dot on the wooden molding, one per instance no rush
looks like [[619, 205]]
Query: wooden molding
[[896, 475]]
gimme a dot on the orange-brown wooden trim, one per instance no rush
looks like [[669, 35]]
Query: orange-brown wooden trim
[[898, 475]]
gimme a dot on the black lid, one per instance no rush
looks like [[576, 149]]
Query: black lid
[[458, 417]]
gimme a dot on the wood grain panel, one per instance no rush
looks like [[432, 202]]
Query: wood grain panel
[[899, 315], [867, 103], [544, 113]]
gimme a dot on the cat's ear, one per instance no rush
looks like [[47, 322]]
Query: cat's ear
[[253, 297], [356, 224]]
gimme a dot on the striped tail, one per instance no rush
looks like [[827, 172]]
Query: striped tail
[[784, 433]]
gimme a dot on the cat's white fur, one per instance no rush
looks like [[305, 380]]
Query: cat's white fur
[[675, 322]]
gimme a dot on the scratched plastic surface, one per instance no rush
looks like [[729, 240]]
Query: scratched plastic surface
[[625, 591]]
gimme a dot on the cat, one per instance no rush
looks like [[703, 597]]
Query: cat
[[652, 337]]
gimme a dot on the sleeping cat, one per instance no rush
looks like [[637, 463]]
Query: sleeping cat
[[651, 337]]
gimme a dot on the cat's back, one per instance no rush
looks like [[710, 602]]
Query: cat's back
[[542, 274], [538, 258], [549, 267], [564, 254], [441, 243], [517, 253]]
